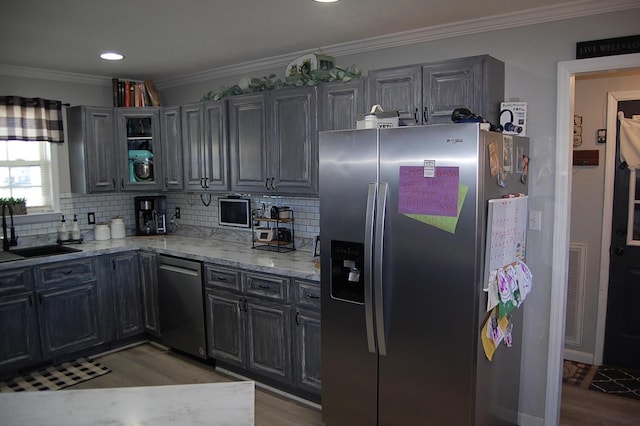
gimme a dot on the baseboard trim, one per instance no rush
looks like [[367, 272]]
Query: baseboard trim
[[577, 356], [270, 388]]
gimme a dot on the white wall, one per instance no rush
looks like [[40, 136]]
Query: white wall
[[588, 189], [531, 54]]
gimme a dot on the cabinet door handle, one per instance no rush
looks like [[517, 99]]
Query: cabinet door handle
[[273, 185], [67, 272], [166, 182], [202, 182], [122, 183], [415, 115], [113, 183], [113, 265], [40, 299], [312, 296], [297, 317], [425, 115], [266, 183], [30, 300], [264, 287], [206, 183], [221, 278], [245, 306]]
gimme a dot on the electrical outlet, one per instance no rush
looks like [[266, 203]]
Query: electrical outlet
[[91, 218], [177, 213]]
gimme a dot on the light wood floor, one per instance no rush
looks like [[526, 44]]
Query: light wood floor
[[149, 365], [584, 407]]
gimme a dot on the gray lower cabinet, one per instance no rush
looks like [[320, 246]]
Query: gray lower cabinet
[[428, 93], [69, 304], [149, 287], [307, 362], [249, 322], [127, 294], [20, 343]]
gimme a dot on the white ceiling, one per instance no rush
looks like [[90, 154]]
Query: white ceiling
[[165, 40]]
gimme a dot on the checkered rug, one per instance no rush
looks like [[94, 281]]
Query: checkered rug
[[617, 381], [57, 377]]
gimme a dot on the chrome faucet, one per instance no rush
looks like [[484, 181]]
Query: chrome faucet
[[13, 238]]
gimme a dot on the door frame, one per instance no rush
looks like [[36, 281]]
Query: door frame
[[607, 214], [566, 71]]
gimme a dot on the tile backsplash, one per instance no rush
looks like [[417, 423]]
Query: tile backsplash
[[198, 216]]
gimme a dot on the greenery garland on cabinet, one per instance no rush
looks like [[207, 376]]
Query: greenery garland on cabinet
[[303, 77]]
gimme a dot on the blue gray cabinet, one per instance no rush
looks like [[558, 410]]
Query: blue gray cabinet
[[69, 304], [307, 361], [20, 343], [249, 322], [149, 287], [138, 140], [428, 93], [205, 146], [273, 142], [92, 150], [171, 131], [340, 103], [127, 294]]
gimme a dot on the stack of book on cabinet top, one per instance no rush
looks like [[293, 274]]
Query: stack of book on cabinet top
[[129, 93]]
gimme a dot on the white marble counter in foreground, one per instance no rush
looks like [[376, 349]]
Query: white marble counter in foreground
[[211, 404]]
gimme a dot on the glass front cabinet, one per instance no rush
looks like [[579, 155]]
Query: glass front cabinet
[[138, 150]]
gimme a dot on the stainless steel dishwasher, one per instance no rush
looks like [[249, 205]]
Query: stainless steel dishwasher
[[181, 308]]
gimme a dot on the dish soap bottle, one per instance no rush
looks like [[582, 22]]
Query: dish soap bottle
[[63, 232], [75, 229]]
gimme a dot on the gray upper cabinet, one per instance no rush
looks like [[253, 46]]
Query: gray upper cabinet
[[398, 89], [274, 142], [476, 83], [139, 148], [204, 138], [340, 103], [428, 93], [248, 143], [114, 149], [92, 151], [171, 123]]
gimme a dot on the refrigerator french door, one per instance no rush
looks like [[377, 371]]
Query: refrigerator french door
[[402, 302]]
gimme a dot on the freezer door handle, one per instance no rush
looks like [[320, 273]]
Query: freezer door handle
[[368, 253], [377, 266]]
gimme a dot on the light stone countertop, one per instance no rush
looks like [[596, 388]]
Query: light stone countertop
[[211, 404], [296, 264]]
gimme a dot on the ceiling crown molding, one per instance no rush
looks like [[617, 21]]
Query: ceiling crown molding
[[552, 13], [44, 74], [560, 12]]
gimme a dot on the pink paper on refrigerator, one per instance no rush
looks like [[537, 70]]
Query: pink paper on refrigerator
[[436, 195]]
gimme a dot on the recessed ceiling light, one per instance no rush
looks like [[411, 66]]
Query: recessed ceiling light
[[326, 1], [111, 56]]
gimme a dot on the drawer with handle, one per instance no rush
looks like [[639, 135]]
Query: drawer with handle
[[75, 271], [307, 294], [217, 276], [271, 286]]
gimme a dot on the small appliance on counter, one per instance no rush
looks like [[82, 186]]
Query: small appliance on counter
[[151, 215]]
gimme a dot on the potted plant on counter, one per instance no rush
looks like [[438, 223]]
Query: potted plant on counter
[[19, 205]]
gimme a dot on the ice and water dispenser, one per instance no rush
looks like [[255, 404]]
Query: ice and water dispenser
[[347, 271]]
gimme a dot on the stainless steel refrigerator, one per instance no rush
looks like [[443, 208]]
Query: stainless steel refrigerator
[[402, 270]]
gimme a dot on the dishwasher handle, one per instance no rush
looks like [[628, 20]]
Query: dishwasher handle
[[179, 270]]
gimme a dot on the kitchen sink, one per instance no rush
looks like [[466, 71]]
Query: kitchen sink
[[40, 251]]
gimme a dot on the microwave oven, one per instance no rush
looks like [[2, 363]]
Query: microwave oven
[[234, 212]]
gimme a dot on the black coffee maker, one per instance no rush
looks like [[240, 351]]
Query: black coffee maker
[[151, 215]]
